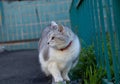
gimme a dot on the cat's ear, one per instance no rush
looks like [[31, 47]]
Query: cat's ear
[[60, 28], [54, 24]]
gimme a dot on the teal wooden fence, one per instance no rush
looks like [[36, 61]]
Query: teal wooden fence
[[23, 20], [97, 22]]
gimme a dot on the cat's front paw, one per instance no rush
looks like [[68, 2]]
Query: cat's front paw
[[66, 78], [57, 80]]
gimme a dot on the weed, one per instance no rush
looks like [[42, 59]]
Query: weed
[[86, 68]]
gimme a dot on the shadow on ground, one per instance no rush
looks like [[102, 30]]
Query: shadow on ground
[[21, 67]]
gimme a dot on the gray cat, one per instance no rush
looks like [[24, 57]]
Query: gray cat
[[59, 49]]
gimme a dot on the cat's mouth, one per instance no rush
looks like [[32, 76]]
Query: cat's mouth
[[65, 48]]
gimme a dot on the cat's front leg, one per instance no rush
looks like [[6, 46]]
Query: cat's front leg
[[65, 73], [54, 71]]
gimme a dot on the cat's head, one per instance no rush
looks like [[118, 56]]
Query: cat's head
[[60, 36]]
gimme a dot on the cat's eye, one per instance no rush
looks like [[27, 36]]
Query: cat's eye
[[53, 38]]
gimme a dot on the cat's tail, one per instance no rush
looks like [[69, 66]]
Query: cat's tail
[[75, 62]]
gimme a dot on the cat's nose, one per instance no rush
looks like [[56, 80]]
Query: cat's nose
[[48, 43]]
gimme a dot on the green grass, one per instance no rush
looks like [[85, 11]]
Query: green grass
[[86, 68]]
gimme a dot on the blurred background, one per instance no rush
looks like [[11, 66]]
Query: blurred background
[[21, 21], [96, 22]]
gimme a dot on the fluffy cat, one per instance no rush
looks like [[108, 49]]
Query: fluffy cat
[[59, 49]]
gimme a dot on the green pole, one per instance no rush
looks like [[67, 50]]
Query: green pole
[[103, 23]]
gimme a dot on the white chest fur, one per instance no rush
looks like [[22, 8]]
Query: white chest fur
[[70, 53]]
